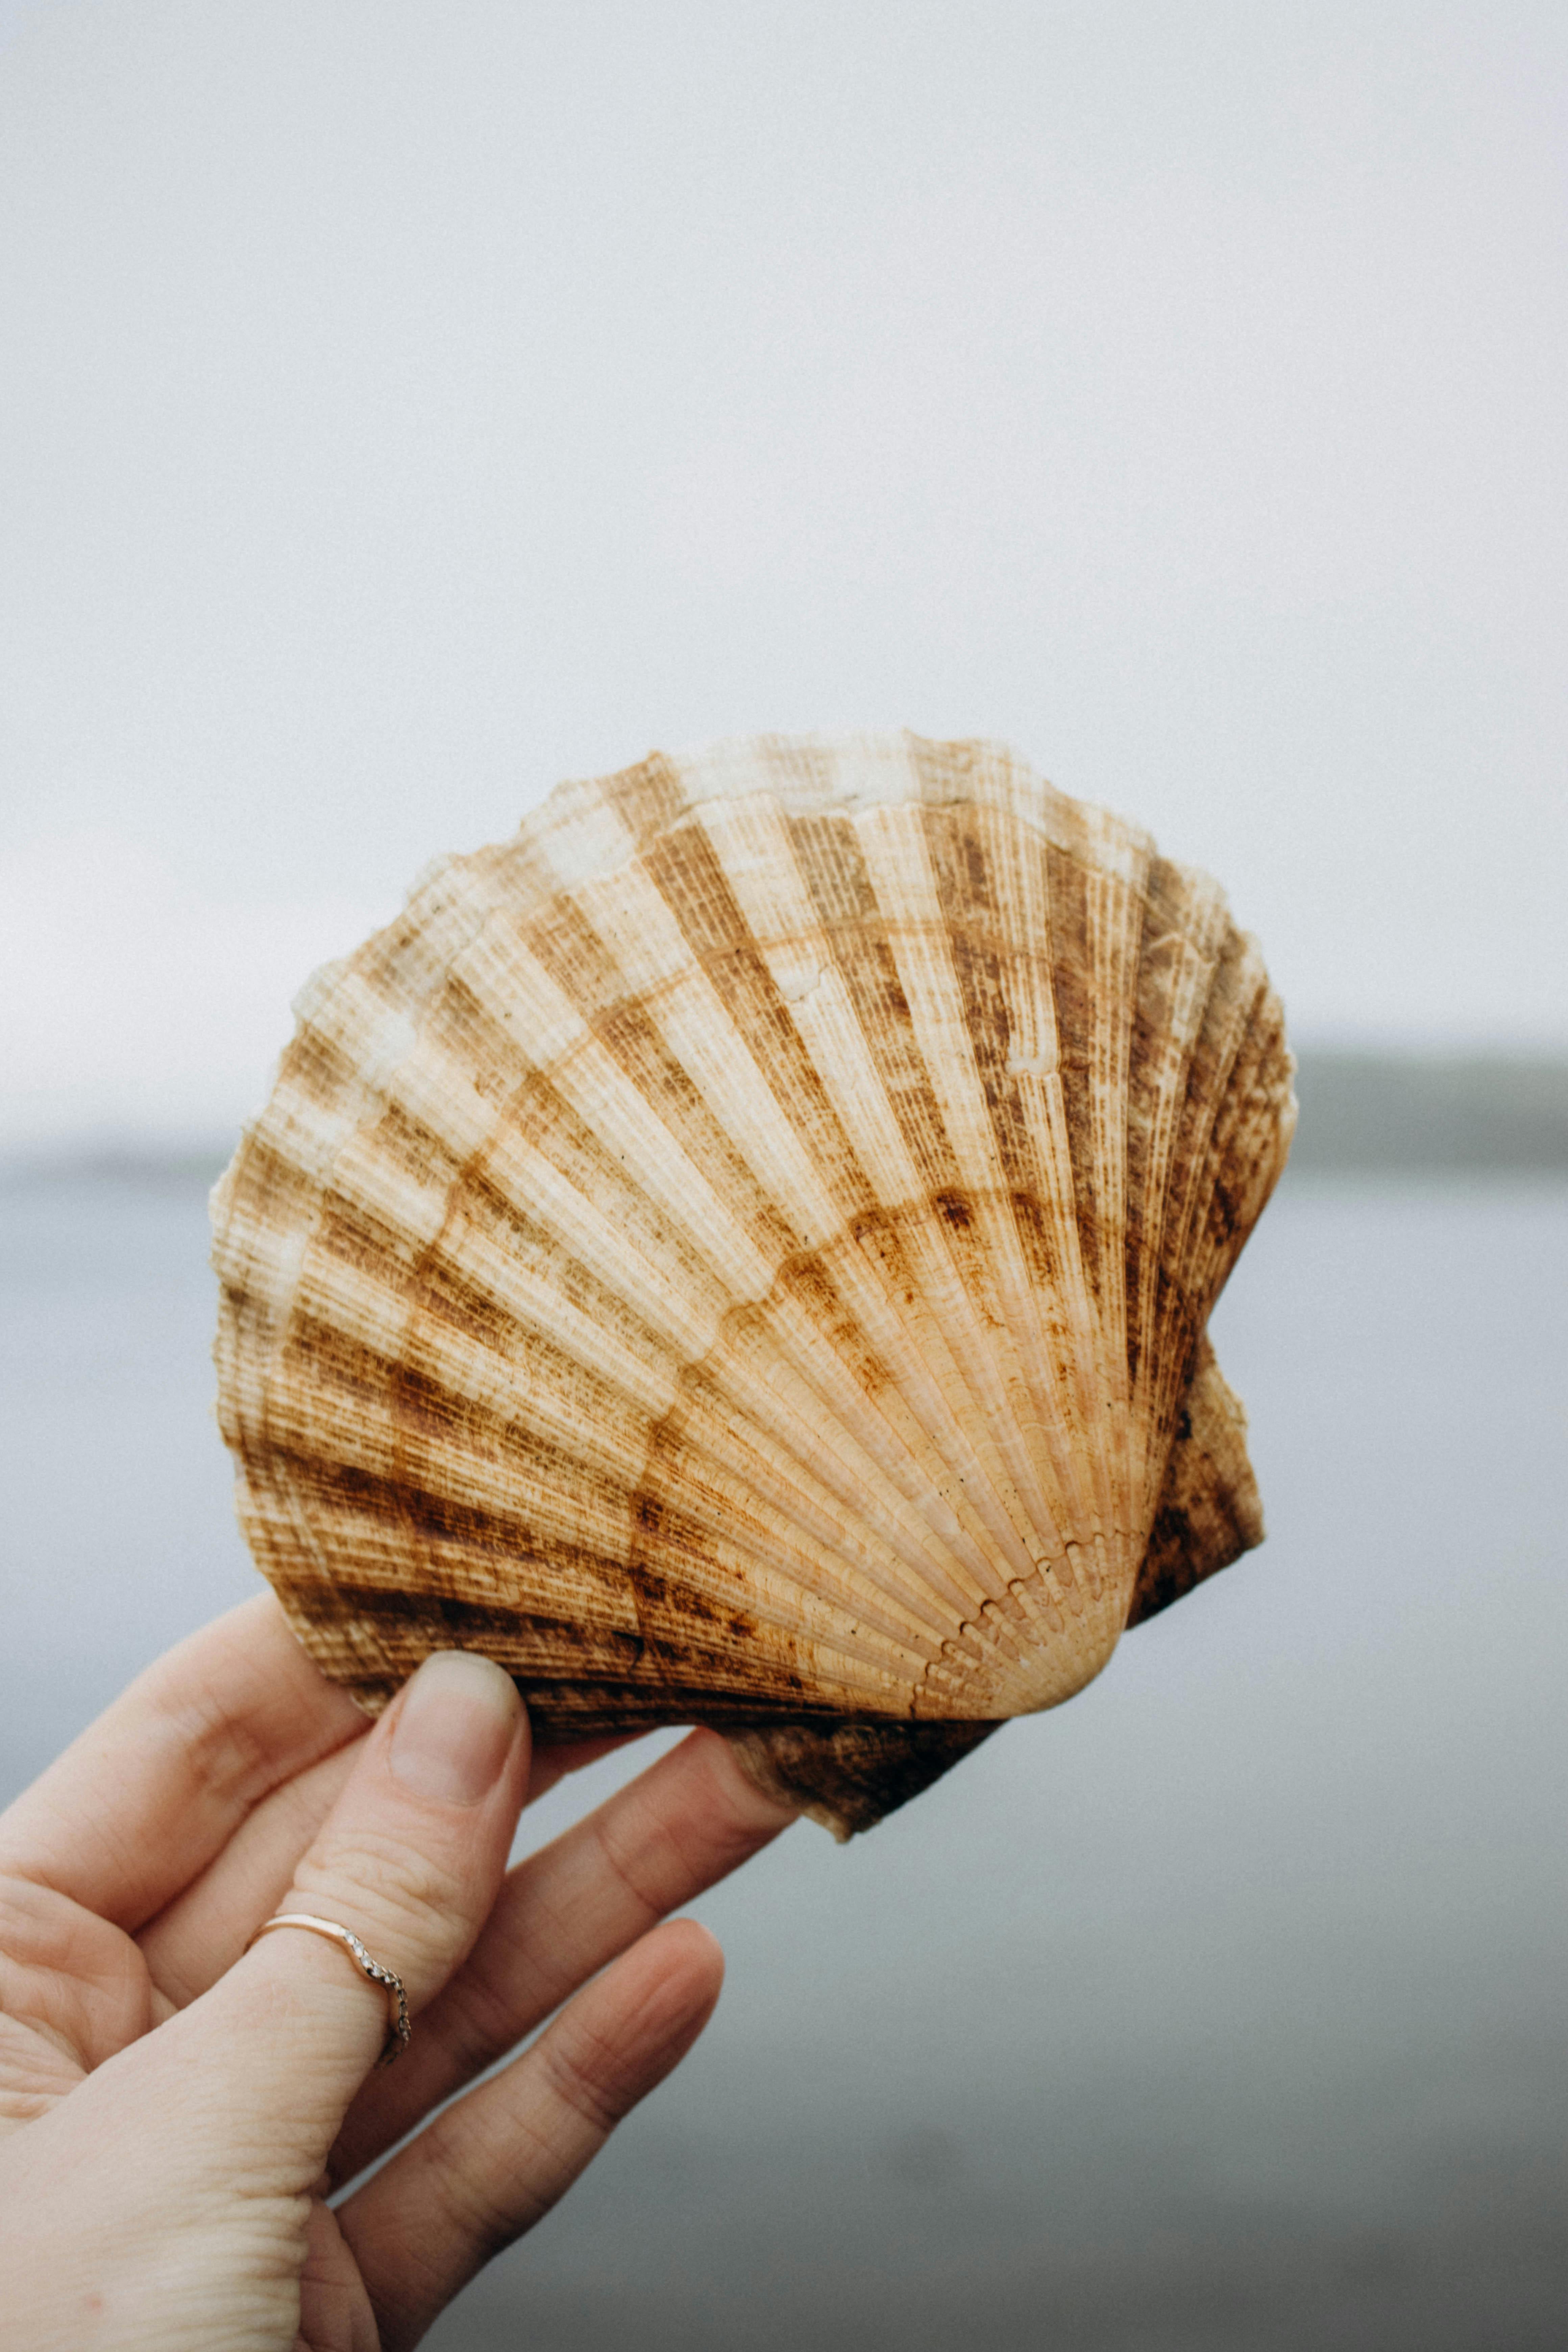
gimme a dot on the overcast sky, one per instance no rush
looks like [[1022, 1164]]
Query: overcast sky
[[405, 406]]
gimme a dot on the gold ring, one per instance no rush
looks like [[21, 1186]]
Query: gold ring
[[397, 1999]]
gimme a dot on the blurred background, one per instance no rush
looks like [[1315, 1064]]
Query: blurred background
[[407, 406]]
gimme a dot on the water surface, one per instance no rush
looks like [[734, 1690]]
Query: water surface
[[1223, 2008]]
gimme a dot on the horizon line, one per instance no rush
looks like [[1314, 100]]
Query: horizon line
[[1363, 1109]]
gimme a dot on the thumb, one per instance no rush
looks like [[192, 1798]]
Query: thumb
[[409, 1861]]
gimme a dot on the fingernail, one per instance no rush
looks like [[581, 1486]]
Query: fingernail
[[456, 1729]]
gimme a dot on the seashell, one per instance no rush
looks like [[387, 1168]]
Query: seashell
[[741, 1251]]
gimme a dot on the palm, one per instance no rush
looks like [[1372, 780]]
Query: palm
[[133, 1875], [74, 1989]]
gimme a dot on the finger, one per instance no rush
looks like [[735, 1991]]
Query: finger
[[552, 1761], [686, 1822], [204, 1930], [409, 1860], [139, 1803], [489, 2166]]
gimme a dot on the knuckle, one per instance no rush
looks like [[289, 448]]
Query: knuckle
[[477, 2215], [633, 1861], [395, 1887], [579, 2071], [479, 2021], [226, 1751], [689, 1823], [740, 1816]]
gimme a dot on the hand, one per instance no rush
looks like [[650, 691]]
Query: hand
[[173, 2115]]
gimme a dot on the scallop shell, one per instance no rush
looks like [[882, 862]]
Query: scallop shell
[[741, 1253]]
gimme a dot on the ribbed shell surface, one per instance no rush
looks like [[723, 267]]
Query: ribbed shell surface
[[740, 1251]]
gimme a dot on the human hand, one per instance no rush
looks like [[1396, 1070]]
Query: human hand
[[175, 2111]]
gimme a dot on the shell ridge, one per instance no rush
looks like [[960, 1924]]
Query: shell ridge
[[832, 862], [1185, 921], [783, 1511], [1186, 1291], [989, 1358], [989, 953], [741, 838], [527, 1313], [608, 951], [859, 1481], [600, 927]]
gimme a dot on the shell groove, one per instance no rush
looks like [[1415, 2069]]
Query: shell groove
[[741, 1253]]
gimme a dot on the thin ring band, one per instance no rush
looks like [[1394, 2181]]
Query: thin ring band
[[397, 1999]]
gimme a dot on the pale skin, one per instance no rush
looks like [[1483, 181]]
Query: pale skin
[[175, 2113]]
